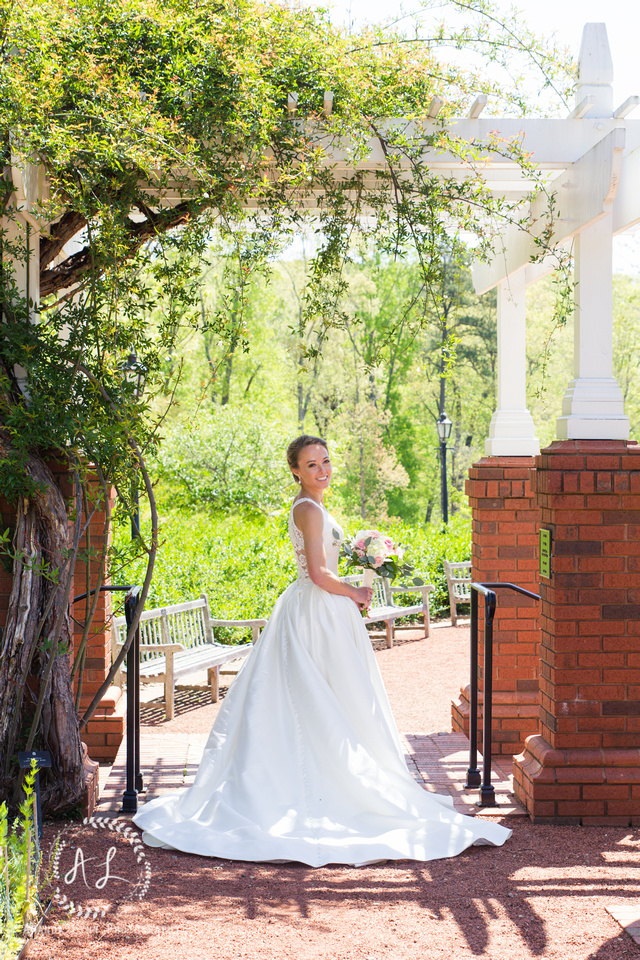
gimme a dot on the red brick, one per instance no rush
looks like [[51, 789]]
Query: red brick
[[622, 807], [582, 741], [619, 740], [602, 463], [611, 531], [570, 482], [601, 724], [587, 482], [554, 791], [599, 692], [605, 791], [542, 809], [605, 821], [615, 675], [601, 564], [626, 548], [579, 808], [617, 580], [604, 482]]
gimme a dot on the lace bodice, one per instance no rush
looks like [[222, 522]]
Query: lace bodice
[[332, 535]]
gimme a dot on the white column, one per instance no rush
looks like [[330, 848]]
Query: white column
[[512, 432], [25, 235], [593, 406]]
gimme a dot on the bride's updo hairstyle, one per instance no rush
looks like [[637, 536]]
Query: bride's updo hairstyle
[[296, 447]]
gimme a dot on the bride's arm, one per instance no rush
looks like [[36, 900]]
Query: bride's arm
[[310, 521]]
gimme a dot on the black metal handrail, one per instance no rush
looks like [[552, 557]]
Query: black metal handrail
[[135, 783], [487, 791]]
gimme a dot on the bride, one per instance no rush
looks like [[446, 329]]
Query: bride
[[304, 762]]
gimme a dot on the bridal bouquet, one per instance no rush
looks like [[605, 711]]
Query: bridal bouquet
[[374, 551]]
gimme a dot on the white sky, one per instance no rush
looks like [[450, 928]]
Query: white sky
[[561, 19]]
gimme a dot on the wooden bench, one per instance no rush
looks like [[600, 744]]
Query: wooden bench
[[458, 579], [384, 609], [178, 640]]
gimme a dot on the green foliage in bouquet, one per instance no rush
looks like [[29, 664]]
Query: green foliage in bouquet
[[366, 552]]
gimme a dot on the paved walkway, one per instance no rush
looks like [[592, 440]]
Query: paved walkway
[[170, 757], [439, 761]]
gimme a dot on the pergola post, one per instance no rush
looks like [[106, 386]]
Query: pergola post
[[512, 432], [593, 406]]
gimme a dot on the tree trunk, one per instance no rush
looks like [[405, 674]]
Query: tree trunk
[[42, 544]]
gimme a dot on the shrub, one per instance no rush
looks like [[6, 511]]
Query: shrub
[[244, 563], [19, 872], [227, 459]]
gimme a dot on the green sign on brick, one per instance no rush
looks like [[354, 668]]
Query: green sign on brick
[[545, 553]]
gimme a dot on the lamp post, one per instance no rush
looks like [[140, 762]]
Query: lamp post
[[135, 374], [444, 432]]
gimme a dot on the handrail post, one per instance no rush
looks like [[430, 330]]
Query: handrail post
[[473, 774], [130, 795], [487, 790], [139, 783]]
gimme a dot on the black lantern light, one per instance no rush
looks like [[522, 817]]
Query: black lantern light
[[135, 373], [444, 432]]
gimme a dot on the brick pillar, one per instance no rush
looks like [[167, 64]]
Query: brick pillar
[[105, 731], [584, 766], [505, 539]]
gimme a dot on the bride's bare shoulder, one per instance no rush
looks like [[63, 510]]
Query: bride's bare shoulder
[[308, 513]]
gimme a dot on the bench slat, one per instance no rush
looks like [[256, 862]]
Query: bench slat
[[189, 661]]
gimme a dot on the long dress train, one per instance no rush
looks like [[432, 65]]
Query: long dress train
[[304, 761]]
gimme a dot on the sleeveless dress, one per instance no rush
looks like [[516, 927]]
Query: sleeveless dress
[[304, 762]]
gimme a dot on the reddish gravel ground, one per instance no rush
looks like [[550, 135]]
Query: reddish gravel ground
[[543, 895]]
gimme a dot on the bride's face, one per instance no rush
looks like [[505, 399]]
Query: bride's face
[[314, 467]]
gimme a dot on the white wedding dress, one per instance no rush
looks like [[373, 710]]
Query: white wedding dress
[[304, 762]]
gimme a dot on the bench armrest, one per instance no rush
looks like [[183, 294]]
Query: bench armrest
[[425, 588], [160, 647], [164, 647], [256, 625], [259, 622]]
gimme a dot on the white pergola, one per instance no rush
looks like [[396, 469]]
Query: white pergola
[[593, 157], [591, 161]]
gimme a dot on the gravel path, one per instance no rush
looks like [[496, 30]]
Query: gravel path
[[544, 894]]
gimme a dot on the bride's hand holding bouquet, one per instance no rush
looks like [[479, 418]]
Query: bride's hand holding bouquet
[[374, 552]]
